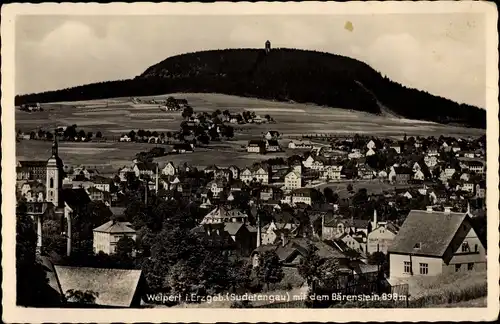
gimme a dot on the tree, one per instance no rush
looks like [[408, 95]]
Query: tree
[[32, 288], [98, 134], [269, 270], [350, 188], [89, 135], [81, 297], [328, 193], [125, 246], [187, 112], [81, 134]]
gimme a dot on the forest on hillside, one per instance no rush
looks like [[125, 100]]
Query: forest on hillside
[[282, 75]]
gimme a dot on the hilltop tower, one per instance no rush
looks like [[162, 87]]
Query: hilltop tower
[[54, 175], [268, 47]]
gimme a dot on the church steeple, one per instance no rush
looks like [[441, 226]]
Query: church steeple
[[55, 146]]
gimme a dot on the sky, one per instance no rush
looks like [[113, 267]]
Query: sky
[[443, 54]]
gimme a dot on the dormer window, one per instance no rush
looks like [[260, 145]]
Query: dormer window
[[417, 245]]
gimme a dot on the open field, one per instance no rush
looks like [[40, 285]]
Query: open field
[[116, 116]]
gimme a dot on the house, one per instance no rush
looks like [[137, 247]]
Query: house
[[381, 237], [331, 172], [481, 189], [244, 240], [418, 175], [272, 146], [309, 161], [125, 138], [183, 148], [431, 243], [123, 173], [272, 231], [169, 169], [261, 175], [355, 154], [217, 186], [335, 228], [307, 196], [272, 135], [300, 145], [246, 175], [256, 146], [108, 234], [293, 180], [98, 195], [114, 288], [224, 214], [235, 172], [396, 147], [141, 169], [366, 172], [476, 166], [356, 243], [468, 186], [431, 160], [433, 150], [370, 152], [400, 175], [102, 183], [371, 145]]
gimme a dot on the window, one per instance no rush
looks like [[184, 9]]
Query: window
[[470, 266], [424, 268], [476, 248], [465, 247], [51, 185], [457, 267], [407, 267]]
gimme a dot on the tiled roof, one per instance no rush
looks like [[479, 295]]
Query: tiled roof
[[432, 230], [232, 228], [116, 287], [115, 227]]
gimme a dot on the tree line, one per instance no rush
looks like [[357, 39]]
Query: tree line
[[283, 75]]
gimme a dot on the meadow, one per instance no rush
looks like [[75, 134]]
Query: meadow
[[114, 117]]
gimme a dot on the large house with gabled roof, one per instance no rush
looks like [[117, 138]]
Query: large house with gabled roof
[[431, 243]]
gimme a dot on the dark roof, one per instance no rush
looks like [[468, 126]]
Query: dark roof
[[38, 207], [432, 230], [403, 170], [115, 227], [33, 164], [75, 197], [273, 143], [116, 287], [183, 146], [256, 143]]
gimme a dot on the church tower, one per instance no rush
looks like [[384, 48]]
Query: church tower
[[268, 47], [54, 175]]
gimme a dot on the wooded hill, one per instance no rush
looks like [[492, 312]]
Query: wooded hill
[[282, 75]]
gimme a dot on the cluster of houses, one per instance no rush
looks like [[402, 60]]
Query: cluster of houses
[[428, 242]]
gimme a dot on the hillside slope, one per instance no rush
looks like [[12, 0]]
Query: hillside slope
[[283, 75]]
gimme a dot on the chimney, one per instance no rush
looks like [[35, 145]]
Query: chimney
[[68, 232], [283, 239], [374, 219], [447, 209], [429, 209], [39, 235], [259, 235]]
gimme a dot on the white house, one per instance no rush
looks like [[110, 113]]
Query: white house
[[370, 152], [309, 161], [418, 175], [431, 243], [300, 145], [371, 145], [293, 180], [107, 236], [169, 169], [331, 172]]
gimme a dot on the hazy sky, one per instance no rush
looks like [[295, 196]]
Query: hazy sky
[[443, 53]]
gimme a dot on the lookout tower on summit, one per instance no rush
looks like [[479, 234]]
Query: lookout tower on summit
[[268, 47]]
